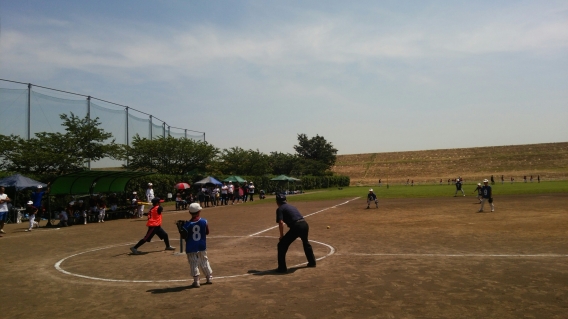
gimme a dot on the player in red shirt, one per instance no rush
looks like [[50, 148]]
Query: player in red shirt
[[154, 227]]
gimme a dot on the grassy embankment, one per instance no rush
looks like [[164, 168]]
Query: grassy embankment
[[550, 161]]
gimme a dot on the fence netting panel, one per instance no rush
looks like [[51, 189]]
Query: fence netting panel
[[112, 121], [157, 130], [175, 133], [45, 112], [138, 126], [14, 114]]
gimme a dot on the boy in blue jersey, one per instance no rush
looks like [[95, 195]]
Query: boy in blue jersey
[[478, 190], [459, 183], [487, 195], [196, 245]]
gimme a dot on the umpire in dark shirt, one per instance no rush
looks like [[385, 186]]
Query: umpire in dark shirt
[[289, 215]]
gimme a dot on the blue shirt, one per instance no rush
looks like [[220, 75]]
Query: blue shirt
[[36, 198], [196, 238], [288, 213], [486, 192]]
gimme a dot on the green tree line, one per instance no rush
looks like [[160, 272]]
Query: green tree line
[[184, 159]]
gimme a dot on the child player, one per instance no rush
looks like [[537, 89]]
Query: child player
[[196, 245], [478, 190], [487, 195], [154, 227], [371, 197]]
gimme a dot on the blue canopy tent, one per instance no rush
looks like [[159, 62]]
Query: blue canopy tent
[[19, 183], [208, 181]]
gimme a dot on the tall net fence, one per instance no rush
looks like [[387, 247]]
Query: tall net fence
[[25, 112]]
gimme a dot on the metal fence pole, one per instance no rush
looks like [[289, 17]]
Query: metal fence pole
[[186, 133], [89, 117], [127, 135], [151, 129], [164, 129], [29, 111]]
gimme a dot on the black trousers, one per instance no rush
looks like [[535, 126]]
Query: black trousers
[[299, 229]]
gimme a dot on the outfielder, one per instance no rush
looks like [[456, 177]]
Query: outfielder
[[486, 194], [372, 197], [459, 187], [478, 190], [195, 232]]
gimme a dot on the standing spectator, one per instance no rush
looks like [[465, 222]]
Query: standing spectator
[[512, 179], [244, 192], [4, 200], [93, 209], [531, 178], [154, 227], [298, 227], [251, 191], [502, 179], [538, 178], [412, 183], [379, 182], [197, 230], [224, 193], [525, 178], [231, 193], [149, 194], [492, 180], [101, 207], [206, 195], [31, 210], [64, 215], [459, 187], [407, 182], [440, 181], [448, 181], [487, 195]]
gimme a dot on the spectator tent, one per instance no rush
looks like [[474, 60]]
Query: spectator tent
[[90, 182]]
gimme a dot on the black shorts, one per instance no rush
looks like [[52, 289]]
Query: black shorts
[[154, 230]]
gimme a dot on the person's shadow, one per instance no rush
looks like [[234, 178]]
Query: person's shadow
[[168, 290], [273, 272]]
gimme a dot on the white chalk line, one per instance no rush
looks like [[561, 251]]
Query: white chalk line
[[319, 211], [459, 255], [59, 268]]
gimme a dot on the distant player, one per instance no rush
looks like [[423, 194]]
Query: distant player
[[487, 195], [502, 179], [538, 178], [154, 227], [478, 190], [372, 197], [196, 231], [459, 186], [379, 182]]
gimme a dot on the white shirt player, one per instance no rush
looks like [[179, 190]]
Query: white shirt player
[[149, 195]]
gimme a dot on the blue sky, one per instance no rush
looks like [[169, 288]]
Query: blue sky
[[369, 76]]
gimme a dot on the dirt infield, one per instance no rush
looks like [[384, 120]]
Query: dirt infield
[[411, 258]]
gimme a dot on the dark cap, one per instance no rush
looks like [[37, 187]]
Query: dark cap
[[281, 198], [156, 200]]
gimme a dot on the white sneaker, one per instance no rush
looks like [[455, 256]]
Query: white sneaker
[[102, 221], [85, 223], [2, 231], [195, 284], [492, 210], [29, 229]]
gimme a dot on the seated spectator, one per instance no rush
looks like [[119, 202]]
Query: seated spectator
[[63, 215]]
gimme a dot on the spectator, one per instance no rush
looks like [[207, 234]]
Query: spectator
[[31, 210], [251, 191], [224, 193]]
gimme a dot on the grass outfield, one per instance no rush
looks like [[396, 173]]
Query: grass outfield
[[423, 191]]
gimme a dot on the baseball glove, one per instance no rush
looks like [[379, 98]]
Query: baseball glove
[[490, 200], [182, 231]]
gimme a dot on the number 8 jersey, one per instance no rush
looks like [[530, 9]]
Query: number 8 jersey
[[197, 230]]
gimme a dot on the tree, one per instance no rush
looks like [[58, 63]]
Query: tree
[[237, 161], [284, 163], [316, 153], [169, 155], [57, 153]]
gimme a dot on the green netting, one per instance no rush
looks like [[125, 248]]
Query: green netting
[[157, 130], [112, 121], [89, 182], [45, 112], [14, 115], [138, 126]]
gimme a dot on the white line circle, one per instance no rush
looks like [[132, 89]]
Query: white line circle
[[58, 264]]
